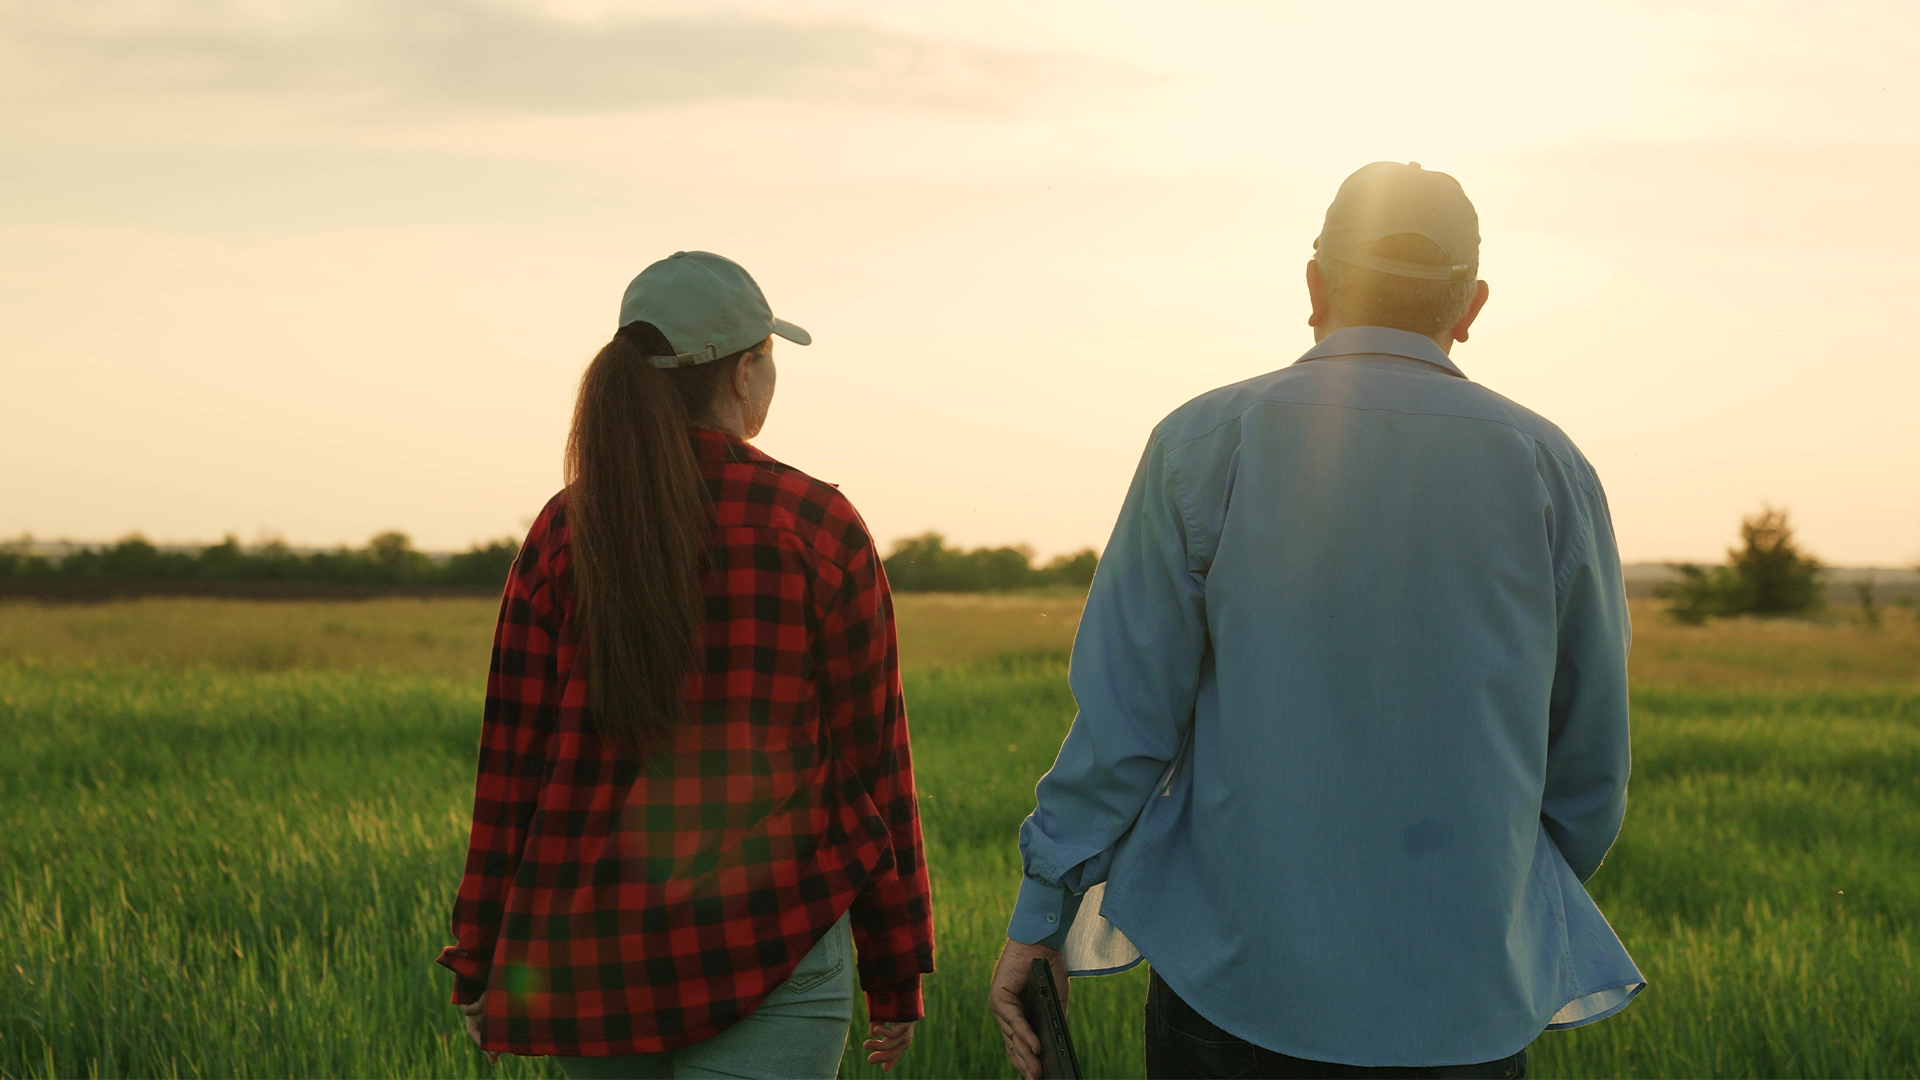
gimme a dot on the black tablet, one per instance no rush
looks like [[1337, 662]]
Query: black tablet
[[1048, 1019]]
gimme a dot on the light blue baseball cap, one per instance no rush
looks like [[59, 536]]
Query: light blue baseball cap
[[1386, 199], [706, 306]]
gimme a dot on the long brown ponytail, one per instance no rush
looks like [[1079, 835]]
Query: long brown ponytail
[[638, 518]]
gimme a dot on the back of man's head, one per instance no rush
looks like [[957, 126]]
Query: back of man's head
[[1400, 248]]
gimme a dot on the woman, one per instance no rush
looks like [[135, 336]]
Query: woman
[[695, 792]]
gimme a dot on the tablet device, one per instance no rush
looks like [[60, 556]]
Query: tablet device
[[1048, 1019]]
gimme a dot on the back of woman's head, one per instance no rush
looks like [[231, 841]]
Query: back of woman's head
[[638, 520]]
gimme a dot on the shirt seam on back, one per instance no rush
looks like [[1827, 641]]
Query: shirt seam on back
[[1576, 556], [807, 538], [1188, 527], [1529, 436]]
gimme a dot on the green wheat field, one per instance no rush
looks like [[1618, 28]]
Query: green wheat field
[[229, 833]]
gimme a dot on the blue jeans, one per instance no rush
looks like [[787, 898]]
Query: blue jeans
[[798, 1031], [1182, 1043]]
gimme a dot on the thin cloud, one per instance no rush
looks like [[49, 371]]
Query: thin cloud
[[441, 57]]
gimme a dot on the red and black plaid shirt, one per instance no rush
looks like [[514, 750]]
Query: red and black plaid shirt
[[622, 906]]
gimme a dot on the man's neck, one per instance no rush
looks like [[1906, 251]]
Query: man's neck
[[1321, 333]]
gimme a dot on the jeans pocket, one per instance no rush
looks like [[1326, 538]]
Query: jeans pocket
[[802, 981], [1211, 1057], [1202, 1049], [830, 956]]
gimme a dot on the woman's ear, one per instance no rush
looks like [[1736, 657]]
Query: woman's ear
[[741, 382]]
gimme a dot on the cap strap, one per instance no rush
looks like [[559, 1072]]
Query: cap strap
[[685, 359], [1424, 271]]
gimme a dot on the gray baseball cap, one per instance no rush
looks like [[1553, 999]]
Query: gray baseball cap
[[707, 306], [1387, 198]]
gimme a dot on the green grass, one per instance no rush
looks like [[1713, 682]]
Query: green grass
[[1766, 883], [228, 874], [240, 873], [448, 636]]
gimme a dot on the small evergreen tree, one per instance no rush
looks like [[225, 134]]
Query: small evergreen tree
[[1768, 576], [1783, 579]]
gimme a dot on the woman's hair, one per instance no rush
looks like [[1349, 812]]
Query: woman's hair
[[638, 521]]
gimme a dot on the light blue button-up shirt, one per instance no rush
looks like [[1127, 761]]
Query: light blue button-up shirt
[[1353, 719]]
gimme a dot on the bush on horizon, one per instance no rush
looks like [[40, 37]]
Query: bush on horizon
[[926, 564], [1768, 576]]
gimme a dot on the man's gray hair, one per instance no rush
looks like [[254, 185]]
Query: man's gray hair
[[1359, 296]]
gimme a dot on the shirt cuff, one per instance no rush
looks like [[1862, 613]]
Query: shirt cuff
[[896, 1004], [467, 991], [469, 976], [1043, 913]]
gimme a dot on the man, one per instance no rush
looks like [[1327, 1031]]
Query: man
[[1353, 701]]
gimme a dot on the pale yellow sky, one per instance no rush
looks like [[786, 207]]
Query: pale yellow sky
[[320, 270]]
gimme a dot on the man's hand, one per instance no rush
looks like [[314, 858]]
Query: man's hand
[[887, 1043], [1004, 999], [476, 1017]]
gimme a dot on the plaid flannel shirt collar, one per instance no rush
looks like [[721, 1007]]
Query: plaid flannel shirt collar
[[715, 447]]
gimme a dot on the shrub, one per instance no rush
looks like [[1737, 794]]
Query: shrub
[[1768, 576], [1869, 604], [1701, 593]]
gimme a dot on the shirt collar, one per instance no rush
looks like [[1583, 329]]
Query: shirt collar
[[718, 446], [1382, 341]]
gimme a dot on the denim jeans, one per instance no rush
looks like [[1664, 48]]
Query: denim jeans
[[1182, 1043], [798, 1031]]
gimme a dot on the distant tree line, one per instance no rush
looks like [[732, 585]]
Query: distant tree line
[[388, 559], [917, 564], [926, 564]]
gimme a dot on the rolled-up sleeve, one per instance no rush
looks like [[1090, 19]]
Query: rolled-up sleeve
[[1585, 799], [523, 694], [858, 676], [1135, 674]]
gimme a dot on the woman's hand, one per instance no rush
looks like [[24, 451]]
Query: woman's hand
[[476, 1017], [1005, 1001], [887, 1043]]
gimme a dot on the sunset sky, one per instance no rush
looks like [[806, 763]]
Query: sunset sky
[[319, 270]]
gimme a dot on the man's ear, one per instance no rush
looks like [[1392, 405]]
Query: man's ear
[[1473, 312], [1316, 295]]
